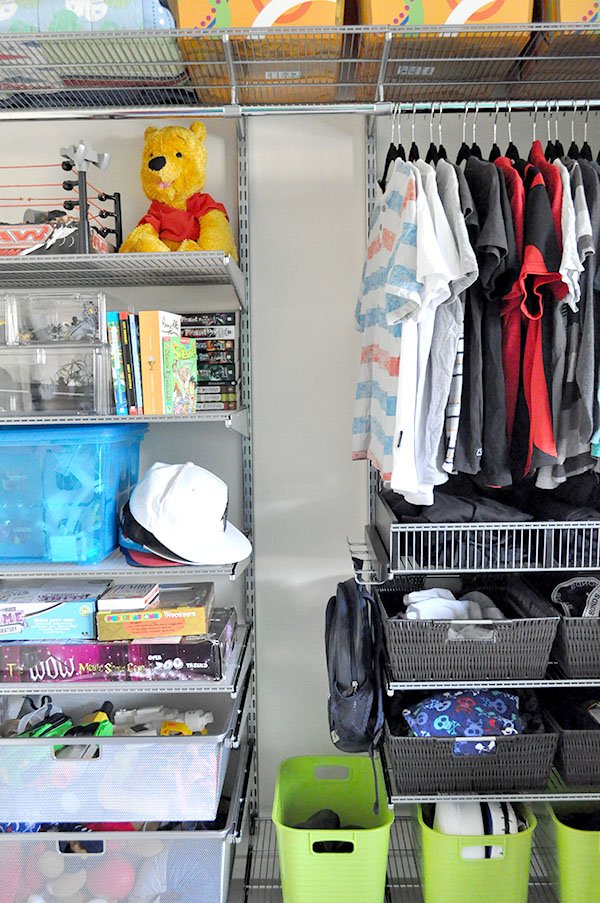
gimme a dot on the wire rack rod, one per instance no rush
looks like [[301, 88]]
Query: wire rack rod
[[318, 67], [263, 882]]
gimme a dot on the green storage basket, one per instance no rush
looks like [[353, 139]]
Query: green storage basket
[[449, 878], [576, 859], [345, 784]]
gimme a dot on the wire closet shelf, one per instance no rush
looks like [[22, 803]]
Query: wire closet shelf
[[292, 67]]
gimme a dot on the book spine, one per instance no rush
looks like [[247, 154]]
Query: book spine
[[167, 349], [151, 362], [215, 357], [127, 361], [223, 318], [215, 405], [222, 388], [137, 371], [216, 373], [207, 346], [116, 362], [209, 332]]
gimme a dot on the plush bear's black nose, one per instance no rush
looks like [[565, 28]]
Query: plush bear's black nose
[[157, 163]]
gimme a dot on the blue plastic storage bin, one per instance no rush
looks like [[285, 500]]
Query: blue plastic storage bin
[[61, 489]]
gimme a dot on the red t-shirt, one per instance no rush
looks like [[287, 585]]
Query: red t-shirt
[[177, 225]]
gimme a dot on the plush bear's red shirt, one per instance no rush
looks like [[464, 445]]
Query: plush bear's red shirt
[[177, 225]]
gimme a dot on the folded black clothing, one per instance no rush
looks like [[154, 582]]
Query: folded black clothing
[[582, 490], [323, 820], [448, 509]]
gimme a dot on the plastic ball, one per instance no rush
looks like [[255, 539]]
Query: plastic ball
[[68, 884], [51, 864], [113, 878]]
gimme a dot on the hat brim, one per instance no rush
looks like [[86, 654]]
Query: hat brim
[[228, 547], [147, 559]]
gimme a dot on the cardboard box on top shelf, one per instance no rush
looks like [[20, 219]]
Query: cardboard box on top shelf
[[559, 57], [445, 61], [268, 68]]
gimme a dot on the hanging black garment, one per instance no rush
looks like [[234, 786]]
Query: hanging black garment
[[586, 152], [550, 152], [512, 153], [476, 151], [442, 153], [391, 156], [573, 151]]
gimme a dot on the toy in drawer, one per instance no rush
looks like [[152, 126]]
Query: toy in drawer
[[46, 379], [187, 863], [40, 316], [122, 778]]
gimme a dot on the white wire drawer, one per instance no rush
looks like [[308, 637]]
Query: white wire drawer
[[128, 779], [454, 548], [133, 866]]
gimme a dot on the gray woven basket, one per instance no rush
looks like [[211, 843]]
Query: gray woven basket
[[577, 755], [517, 648], [429, 765], [577, 647]]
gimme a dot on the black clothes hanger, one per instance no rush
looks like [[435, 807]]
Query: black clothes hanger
[[558, 147], [495, 151], [475, 149], [549, 152], [391, 155], [464, 151], [586, 151], [511, 151], [573, 152], [413, 154], [432, 155]]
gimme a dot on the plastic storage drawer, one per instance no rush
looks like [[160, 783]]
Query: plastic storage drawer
[[61, 489], [429, 765], [310, 873], [448, 877], [518, 647], [132, 867], [42, 316], [123, 778], [54, 379]]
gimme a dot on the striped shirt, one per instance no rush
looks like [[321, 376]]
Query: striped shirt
[[389, 294]]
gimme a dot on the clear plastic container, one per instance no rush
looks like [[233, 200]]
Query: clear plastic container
[[132, 866], [61, 489], [41, 317], [61, 379]]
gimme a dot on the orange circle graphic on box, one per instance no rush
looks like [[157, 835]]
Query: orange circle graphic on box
[[490, 10]]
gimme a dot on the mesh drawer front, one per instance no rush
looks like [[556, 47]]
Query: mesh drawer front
[[428, 765], [424, 650]]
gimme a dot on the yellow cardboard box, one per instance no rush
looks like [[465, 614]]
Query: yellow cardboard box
[[280, 69], [180, 611], [561, 58], [437, 64]]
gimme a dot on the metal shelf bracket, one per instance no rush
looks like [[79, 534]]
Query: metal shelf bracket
[[239, 422]]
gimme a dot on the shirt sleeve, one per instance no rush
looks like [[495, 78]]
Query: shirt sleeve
[[403, 292], [152, 218]]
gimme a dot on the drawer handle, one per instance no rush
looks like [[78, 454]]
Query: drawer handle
[[76, 752]]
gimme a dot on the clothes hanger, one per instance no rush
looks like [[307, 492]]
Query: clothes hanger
[[511, 151], [534, 125], [464, 151], [392, 153], [475, 149], [432, 155], [549, 152], [413, 154], [586, 151], [495, 151], [442, 152], [573, 151], [558, 148]]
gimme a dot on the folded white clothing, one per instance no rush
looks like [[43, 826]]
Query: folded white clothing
[[422, 594], [438, 609], [489, 611]]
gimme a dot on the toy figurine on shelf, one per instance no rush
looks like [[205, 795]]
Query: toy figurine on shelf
[[181, 217]]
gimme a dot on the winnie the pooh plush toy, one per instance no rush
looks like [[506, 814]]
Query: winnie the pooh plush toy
[[181, 217]]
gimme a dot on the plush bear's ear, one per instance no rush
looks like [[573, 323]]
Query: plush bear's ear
[[149, 131], [199, 130]]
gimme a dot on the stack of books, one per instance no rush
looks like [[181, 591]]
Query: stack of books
[[166, 363]]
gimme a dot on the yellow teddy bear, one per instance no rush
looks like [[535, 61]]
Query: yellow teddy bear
[[181, 217]]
